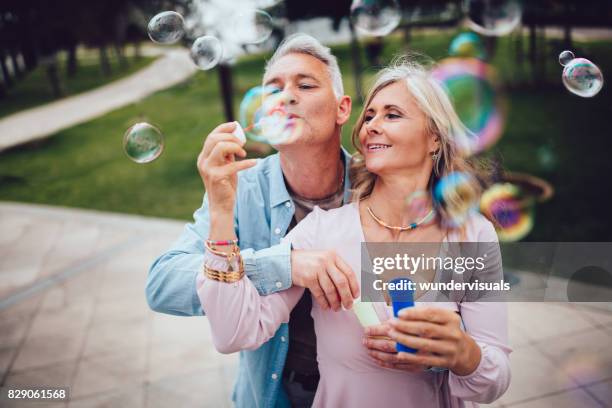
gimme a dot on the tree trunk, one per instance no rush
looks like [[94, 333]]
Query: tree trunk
[[543, 55], [15, 63], [225, 81], [104, 62], [519, 55], [123, 63], [137, 50], [30, 57], [407, 37], [532, 52], [71, 63], [490, 44], [567, 27], [567, 36], [51, 67], [5, 72], [356, 59]]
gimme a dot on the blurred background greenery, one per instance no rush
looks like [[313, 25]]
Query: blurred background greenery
[[550, 133]]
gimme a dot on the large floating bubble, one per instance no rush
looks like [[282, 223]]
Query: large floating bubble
[[466, 45], [473, 88], [457, 195], [582, 77], [493, 17], [375, 17], [143, 143], [250, 26], [511, 208], [265, 117], [166, 27], [206, 52]]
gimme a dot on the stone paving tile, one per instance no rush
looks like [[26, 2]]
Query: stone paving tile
[[131, 395], [585, 357], [105, 338], [109, 372], [21, 262], [546, 320], [533, 375], [602, 391], [198, 389], [52, 375], [171, 360], [55, 337], [569, 399]]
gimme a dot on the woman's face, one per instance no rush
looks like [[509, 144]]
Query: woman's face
[[394, 133]]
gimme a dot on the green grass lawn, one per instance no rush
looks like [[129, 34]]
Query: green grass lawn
[[550, 133], [34, 89]]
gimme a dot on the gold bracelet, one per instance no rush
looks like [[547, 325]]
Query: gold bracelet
[[226, 277]]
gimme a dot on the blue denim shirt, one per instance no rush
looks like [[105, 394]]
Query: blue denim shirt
[[262, 215]]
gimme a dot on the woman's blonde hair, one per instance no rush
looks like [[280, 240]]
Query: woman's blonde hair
[[442, 121]]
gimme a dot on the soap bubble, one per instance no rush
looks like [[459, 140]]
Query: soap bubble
[[457, 196], [375, 17], [250, 27], [565, 57], [265, 118], [166, 27], [473, 88], [417, 205], [493, 17], [511, 208], [206, 52], [143, 143], [582, 77], [546, 158], [467, 45]]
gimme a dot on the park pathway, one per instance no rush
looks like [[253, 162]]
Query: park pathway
[[37, 123]]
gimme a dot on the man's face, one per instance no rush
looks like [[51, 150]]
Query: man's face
[[309, 97]]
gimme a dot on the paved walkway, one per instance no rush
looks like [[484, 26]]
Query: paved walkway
[[36, 123], [73, 313]]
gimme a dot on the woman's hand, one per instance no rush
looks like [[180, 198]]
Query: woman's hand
[[382, 349], [218, 168], [437, 335]]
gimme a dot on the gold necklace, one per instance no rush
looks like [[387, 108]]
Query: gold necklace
[[428, 217]]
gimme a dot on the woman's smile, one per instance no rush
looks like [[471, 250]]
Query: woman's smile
[[377, 147]]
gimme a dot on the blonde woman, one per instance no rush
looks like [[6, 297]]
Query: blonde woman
[[407, 137]]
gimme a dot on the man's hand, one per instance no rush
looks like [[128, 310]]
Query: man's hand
[[218, 168], [331, 281], [382, 349]]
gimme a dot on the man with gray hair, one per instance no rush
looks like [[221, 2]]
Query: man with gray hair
[[259, 206]]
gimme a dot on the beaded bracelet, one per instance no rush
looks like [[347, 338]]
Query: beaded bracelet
[[235, 250], [227, 242]]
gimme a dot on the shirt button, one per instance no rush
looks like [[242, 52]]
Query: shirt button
[[274, 376], [279, 285], [283, 339], [287, 204], [277, 231]]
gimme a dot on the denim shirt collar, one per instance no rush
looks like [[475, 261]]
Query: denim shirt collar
[[278, 189]]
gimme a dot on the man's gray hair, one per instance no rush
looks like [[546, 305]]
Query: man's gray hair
[[305, 44]]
